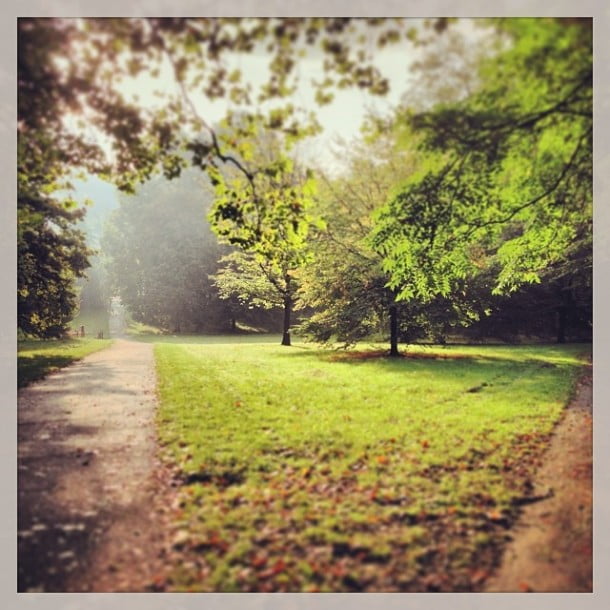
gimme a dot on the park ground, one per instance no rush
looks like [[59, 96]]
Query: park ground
[[265, 468]]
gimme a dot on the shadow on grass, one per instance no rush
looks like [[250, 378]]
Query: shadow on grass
[[208, 339], [516, 355], [33, 368]]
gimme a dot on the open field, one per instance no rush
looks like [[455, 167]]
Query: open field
[[37, 358], [305, 469]]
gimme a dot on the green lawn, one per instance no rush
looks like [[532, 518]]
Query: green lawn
[[306, 469], [36, 359]]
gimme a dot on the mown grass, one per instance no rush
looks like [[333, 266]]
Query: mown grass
[[37, 358], [236, 339], [139, 330], [306, 469]]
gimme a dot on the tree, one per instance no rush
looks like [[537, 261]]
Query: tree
[[252, 282], [51, 254], [159, 252], [345, 283], [267, 216], [506, 180], [80, 65], [52, 251], [70, 73]]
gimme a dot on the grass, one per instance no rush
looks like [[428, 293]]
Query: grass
[[314, 470], [138, 330], [187, 339], [37, 358]]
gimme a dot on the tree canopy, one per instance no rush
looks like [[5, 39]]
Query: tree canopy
[[72, 111], [496, 193], [506, 174], [267, 215]]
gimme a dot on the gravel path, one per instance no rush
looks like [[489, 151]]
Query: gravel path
[[551, 549], [88, 498]]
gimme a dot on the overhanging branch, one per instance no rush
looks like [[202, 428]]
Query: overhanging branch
[[202, 122]]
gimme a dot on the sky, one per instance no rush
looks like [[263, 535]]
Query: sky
[[342, 118]]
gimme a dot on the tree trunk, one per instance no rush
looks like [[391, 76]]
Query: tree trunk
[[561, 324], [287, 312], [393, 331], [562, 314], [233, 324]]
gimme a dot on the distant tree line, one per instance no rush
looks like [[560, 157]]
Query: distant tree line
[[160, 256]]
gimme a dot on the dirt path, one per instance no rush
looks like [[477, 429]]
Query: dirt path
[[87, 494], [551, 549]]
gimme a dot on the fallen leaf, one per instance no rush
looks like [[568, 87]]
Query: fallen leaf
[[258, 561], [478, 576]]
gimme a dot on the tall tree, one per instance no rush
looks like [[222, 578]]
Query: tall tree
[[52, 253], [345, 284], [267, 216], [81, 66], [70, 77], [53, 86], [505, 181], [51, 250], [159, 253]]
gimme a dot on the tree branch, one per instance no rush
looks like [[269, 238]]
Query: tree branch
[[189, 102], [273, 280], [512, 124], [538, 198]]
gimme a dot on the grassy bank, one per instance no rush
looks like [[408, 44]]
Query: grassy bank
[[36, 359], [305, 469]]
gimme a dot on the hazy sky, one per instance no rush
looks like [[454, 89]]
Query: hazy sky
[[343, 117]]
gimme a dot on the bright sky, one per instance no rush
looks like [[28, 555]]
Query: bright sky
[[343, 117]]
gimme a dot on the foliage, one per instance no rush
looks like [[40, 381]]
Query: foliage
[[313, 470], [249, 280], [506, 180], [267, 216], [51, 254], [51, 250], [72, 105], [80, 65], [159, 253], [345, 283], [36, 359], [504, 168]]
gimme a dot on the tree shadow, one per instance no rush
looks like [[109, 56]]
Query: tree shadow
[[53, 543], [33, 368], [382, 357]]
